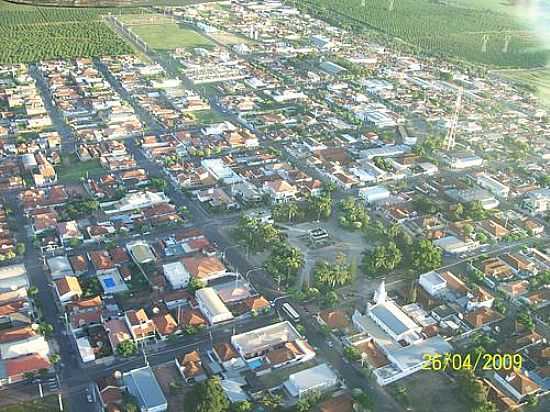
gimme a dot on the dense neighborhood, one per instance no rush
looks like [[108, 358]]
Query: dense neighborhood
[[282, 217]]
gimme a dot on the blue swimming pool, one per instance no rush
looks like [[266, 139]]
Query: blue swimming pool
[[109, 282], [255, 364]]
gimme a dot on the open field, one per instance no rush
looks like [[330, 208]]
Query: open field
[[145, 18], [74, 170], [170, 36], [444, 29], [537, 80], [49, 404], [29, 34], [228, 39]]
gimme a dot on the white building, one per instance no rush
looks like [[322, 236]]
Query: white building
[[176, 275], [453, 245], [390, 318], [432, 282], [220, 171], [493, 186], [397, 337], [135, 201], [374, 193], [538, 201], [318, 379], [212, 306], [465, 161]]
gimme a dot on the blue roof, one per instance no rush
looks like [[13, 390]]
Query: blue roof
[[144, 386]]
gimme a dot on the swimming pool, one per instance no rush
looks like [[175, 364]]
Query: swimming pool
[[255, 364], [109, 282]]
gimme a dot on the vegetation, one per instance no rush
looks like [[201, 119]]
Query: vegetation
[[382, 259], [170, 36], [76, 171], [127, 348], [47, 404], [330, 276], [440, 29], [426, 256], [257, 236], [352, 353], [354, 214], [207, 396], [313, 208], [32, 34], [284, 263]]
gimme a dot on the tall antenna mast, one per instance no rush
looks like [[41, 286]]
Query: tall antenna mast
[[454, 121]]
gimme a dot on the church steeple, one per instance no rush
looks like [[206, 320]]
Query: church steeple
[[380, 294]]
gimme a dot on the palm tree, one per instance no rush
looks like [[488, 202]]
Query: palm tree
[[292, 210]]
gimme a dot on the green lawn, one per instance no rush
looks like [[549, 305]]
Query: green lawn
[[536, 79], [74, 170], [208, 117], [170, 36], [48, 404]]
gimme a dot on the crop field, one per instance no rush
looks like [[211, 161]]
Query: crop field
[[29, 34], [170, 36], [476, 34]]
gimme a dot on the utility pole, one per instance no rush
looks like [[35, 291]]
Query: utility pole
[[484, 43]]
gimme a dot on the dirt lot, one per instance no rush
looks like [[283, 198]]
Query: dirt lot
[[166, 374], [427, 392]]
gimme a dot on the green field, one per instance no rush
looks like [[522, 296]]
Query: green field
[[170, 36], [444, 29], [48, 404], [208, 117], [74, 170], [29, 34], [537, 80]]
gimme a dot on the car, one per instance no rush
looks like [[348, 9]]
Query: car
[[89, 398], [330, 344]]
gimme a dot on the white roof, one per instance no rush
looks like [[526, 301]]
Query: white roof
[[85, 349], [393, 317], [320, 375], [212, 302], [413, 355], [34, 344], [265, 338], [60, 266], [432, 279], [175, 273], [12, 271]]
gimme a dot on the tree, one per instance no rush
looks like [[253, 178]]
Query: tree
[[331, 298], [45, 329], [284, 263], [32, 292], [468, 229], [20, 249], [271, 401], [383, 259], [243, 406], [362, 401], [54, 358], [328, 276], [352, 353], [196, 284], [525, 319], [127, 348], [426, 256], [208, 396]]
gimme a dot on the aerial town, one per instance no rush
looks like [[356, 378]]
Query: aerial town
[[278, 216]]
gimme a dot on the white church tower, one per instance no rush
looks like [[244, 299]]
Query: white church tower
[[380, 294]]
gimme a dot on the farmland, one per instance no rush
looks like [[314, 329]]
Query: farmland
[[443, 29], [29, 34]]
